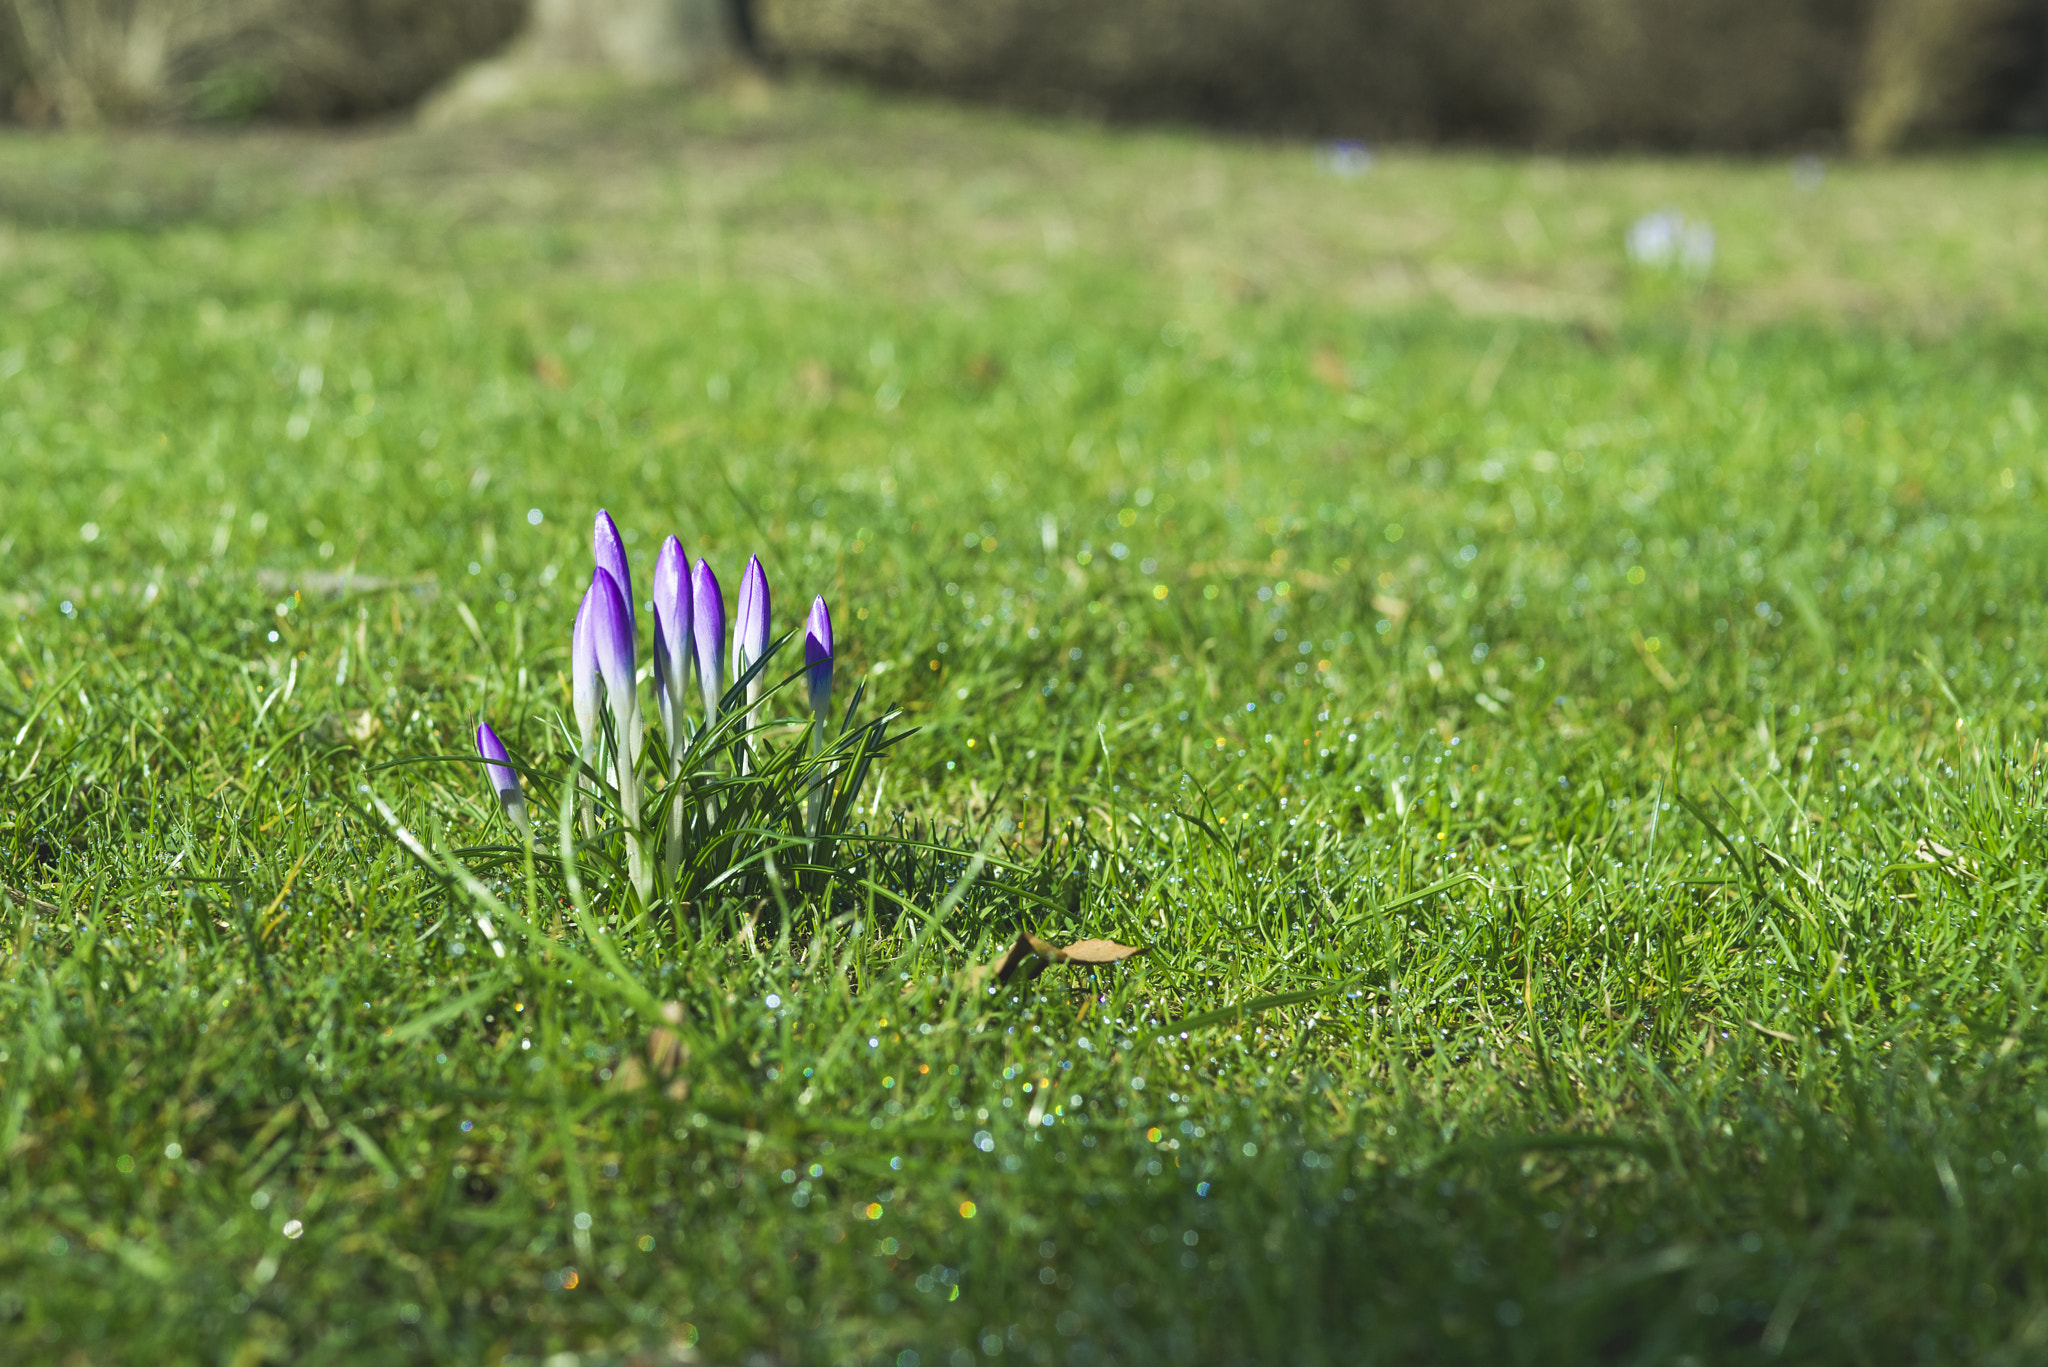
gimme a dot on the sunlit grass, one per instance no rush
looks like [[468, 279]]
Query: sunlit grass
[[1566, 740]]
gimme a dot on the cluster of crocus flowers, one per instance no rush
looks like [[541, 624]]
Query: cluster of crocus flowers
[[688, 635]]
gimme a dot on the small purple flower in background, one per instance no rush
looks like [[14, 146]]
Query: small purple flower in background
[[750, 626], [672, 643], [504, 779], [610, 552], [708, 630], [818, 658], [1345, 158], [1666, 240]]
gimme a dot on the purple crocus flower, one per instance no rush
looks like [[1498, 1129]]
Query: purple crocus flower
[[583, 672], [818, 658], [750, 625], [611, 620], [610, 552], [818, 664], [504, 779], [612, 625], [672, 644], [707, 627]]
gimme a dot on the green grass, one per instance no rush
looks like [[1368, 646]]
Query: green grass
[[1568, 742]]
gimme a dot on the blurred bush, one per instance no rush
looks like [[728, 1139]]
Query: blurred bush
[[85, 61], [1686, 74], [1729, 74], [1942, 67]]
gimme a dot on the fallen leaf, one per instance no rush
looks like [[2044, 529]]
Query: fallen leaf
[[32, 903], [1934, 852], [814, 381], [1100, 952], [666, 1051], [347, 728], [667, 1056], [1033, 956]]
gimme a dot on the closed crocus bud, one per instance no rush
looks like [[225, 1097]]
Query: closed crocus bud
[[504, 779], [750, 624], [818, 660], [583, 672], [612, 629], [612, 625], [672, 643], [707, 628], [610, 552]]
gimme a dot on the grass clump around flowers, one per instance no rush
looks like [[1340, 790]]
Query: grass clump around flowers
[[1565, 738]]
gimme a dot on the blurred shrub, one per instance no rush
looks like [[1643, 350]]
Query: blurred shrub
[[1936, 67], [83, 61], [1569, 73], [1720, 74]]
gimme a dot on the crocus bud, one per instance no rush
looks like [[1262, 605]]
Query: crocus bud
[[750, 624], [610, 552], [818, 659], [672, 643], [707, 627], [504, 779], [612, 628], [583, 672], [612, 625]]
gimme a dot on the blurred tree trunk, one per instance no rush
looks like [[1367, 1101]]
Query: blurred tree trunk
[[1931, 68], [636, 40], [644, 38]]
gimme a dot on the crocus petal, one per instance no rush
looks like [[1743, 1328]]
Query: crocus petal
[[707, 628], [498, 765], [750, 620], [612, 626], [818, 657], [583, 669], [610, 551], [672, 623], [504, 778]]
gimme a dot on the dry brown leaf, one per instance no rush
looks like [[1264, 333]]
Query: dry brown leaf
[[1934, 852], [347, 728], [667, 1056], [1032, 955], [1100, 952], [814, 381], [36, 904]]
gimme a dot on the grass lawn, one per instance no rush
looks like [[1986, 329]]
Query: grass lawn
[[1566, 738]]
